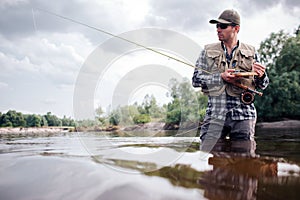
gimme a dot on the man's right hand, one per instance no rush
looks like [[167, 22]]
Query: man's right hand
[[228, 76]]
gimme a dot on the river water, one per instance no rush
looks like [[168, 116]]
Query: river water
[[102, 166]]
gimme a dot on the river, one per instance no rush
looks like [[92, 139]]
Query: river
[[102, 166]]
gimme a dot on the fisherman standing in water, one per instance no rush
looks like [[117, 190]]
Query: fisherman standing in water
[[230, 113]]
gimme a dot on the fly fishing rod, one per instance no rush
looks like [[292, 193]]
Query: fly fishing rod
[[249, 91], [119, 37]]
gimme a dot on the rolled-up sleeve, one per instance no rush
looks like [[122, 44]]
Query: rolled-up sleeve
[[202, 77], [262, 82]]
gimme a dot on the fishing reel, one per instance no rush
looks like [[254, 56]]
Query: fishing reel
[[247, 97]]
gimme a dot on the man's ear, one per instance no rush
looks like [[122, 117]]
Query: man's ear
[[237, 28]]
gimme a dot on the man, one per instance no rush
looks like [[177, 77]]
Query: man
[[228, 116]]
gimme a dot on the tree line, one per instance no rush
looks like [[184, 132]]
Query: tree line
[[13, 118], [186, 106]]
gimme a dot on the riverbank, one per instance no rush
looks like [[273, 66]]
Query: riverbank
[[33, 131], [293, 124], [284, 128], [261, 128]]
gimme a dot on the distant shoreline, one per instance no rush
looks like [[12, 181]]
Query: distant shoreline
[[261, 127], [31, 131]]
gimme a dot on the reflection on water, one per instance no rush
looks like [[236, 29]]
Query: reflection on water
[[94, 166], [236, 177]]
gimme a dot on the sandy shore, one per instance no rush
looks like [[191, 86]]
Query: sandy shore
[[32, 131]]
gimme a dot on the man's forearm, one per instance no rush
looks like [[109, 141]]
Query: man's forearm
[[202, 79]]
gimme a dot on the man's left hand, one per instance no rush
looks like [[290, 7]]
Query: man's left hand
[[259, 69]]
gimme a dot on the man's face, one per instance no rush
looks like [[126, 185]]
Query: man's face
[[226, 32]]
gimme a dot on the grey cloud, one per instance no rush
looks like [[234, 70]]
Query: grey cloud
[[20, 20], [292, 3], [195, 14], [251, 7], [17, 19], [190, 14]]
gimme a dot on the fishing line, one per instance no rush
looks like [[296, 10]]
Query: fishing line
[[119, 37], [34, 22]]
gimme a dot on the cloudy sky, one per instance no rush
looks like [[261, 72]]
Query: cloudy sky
[[41, 55]]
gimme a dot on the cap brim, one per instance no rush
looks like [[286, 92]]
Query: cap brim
[[216, 21]]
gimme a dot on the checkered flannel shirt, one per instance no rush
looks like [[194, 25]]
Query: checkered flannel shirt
[[224, 105]]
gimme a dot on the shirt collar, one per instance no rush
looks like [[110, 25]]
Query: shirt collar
[[234, 48], [229, 57]]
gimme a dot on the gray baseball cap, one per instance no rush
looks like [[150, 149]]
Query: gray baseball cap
[[227, 17]]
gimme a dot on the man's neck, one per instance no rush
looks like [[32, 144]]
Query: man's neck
[[229, 45]]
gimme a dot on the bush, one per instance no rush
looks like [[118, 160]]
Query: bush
[[141, 119]]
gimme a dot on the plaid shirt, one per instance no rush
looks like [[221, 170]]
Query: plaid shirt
[[224, 105]]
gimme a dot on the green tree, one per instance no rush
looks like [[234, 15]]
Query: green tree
[[13, 119], [146, 105], [67, 121], [270, 48], [44, 122], [52, 120], [33, 120], [5, 121], [156, 111], [281, 98], [187, 105], [124, 115], [149, 106], [99, 115], [128, 113], [115, 117], [136, 114], [173, 112], [141, 119]]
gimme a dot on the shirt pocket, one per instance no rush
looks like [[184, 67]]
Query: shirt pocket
[[246, 60], [214, 60]]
